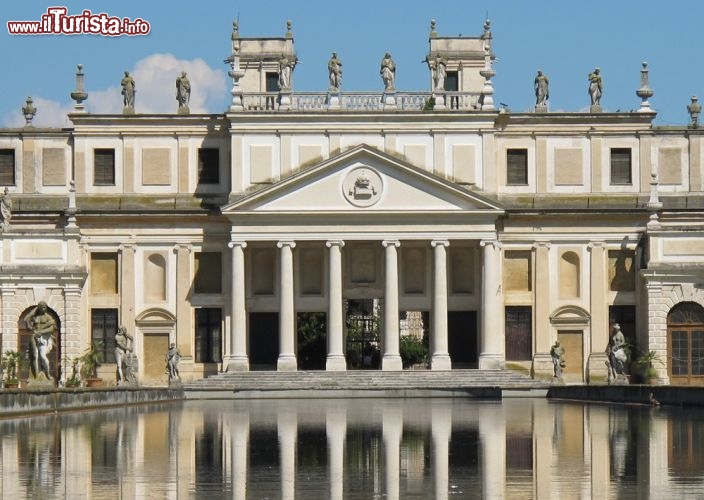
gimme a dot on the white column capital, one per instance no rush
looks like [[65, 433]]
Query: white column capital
[[126, 247], [541, 244], [290, 244], [388, 243], [236, 243], [336, 243], [494, 243], [596, 244], [436, 243], [183, 246]]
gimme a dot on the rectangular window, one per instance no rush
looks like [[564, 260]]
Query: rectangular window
[[208, 335], [517, 167], [519, 333], [208, 166], [7, 167], [621, 166], [208, 272], [104, 167], [103, 273], [103, 329]]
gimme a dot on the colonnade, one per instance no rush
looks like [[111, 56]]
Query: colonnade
[[491, 331]]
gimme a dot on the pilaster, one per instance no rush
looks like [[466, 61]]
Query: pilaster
[[596, 364], [542, 361]]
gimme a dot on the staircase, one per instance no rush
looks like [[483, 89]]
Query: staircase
[[364, 383]]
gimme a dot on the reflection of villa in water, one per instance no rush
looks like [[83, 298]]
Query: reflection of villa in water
[[338, 449], [315, 230]]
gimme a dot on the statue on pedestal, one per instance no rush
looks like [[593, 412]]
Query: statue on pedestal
[[172, 359], [617, 356], [128, 91], [596, 88], [557, 353], [542, 92], [183, 93], [44, 329], [335, 72], [125, 358], [388, 72]]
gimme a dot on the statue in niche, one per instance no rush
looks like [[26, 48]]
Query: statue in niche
[[183, 93], [172, 359], [5, 209], [596, 87], [44, 329], [125, 358], [388, 72], [542, 92], [617, 356], [557, 353], [335, 72], [128, 91]]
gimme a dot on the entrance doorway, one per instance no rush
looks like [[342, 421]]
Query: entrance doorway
[[155, 345], [263, 340], [462, 339], [312, 340], [363, 343], [685, 344], [572, 342]]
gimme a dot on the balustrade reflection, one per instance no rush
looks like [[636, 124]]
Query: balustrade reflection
[[396, 448]]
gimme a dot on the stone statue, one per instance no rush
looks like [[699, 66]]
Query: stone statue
[[388, 72], [172, 359], [438, 69], [183, 92], [43, 327], [617, 357], [125, 358], [128, 90], [542, 92], [335, 72], [286, 66], [5, 209], [596, 87], [693, 108], [557, 352]]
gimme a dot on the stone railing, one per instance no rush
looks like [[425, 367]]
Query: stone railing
[[359, 101]]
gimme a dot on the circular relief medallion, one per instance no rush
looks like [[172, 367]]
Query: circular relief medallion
[[362, 187]]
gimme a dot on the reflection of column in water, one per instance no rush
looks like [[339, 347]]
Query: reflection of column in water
[[543, 428], [598, 422], [287, 429], [75, 451], [392, 421], [442, 429], [336, 429], [238, 429], [492, 433]]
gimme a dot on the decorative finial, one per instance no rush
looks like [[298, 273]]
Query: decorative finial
[[289, 28], [694, 108], [433, 26], [487, 97], [487, 29], [72, 209], [29, 110], [644, 92], [79, 95], [654, 203], [235, 29]]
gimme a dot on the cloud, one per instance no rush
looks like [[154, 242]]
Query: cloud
[[155, 81]]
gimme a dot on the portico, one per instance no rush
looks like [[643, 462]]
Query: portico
[[362, 225]]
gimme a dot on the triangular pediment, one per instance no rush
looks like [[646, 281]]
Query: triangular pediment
[[363, 179]]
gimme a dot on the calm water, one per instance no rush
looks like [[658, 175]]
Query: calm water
[[334, 449]]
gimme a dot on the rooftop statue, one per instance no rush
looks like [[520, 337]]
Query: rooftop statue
[[128, 91], [335, 72], [693, 108], [5, 209], [183, 93], [542, 92], [286, 66], [388, 72], [438, 69], [596, 88]]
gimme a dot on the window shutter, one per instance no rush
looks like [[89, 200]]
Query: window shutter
[[7, 167], [621, 166], [104, 167], [517, 167]]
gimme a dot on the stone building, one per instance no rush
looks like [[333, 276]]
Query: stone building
[[225, 233]]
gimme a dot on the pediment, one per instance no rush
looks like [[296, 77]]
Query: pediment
[[570, 315], [363, 179], [155, 317]]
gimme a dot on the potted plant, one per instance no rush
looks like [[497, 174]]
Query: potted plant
[[646, 362], [90, 361], [12, 362]]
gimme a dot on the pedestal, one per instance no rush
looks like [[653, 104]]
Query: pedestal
[[388, 100], [285, 101], [542, 367], [541, 108], [595, 108], [597, 371], [333, 100]]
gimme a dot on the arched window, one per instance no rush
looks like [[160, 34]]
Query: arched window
[[685, 343]]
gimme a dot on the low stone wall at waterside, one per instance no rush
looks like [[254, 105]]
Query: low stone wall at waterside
[[14, 402], [631, 394]]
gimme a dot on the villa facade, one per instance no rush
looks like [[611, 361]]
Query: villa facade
[[494, 233]]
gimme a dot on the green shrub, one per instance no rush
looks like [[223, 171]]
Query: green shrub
[[413, 350]]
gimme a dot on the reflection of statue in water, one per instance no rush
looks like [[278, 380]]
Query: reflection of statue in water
[[388, 72], [172, 359], [43, 327], [125, 358], [557, 352], [617, 357], [5, 209]]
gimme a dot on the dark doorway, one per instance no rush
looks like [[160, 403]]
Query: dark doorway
[[462, 338], [519, 333], [263, 339], [312, 340], [363, 346]]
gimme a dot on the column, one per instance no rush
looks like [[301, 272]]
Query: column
[[287, 429], [441, 422], [237, 359], [183, 308], [392, 358], [287, 313], [491, 356], [127, 286], [336, 356], [336, 430], [392, 428], [599, 325], [542, 361], [440, 357]]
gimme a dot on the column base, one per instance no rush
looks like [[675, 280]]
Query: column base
[[391, 362], [441, 362], [237, 364], [287, 363], [597, 371], [491, 361], [542, 367], [336, 363]]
